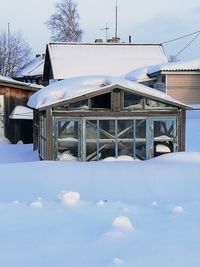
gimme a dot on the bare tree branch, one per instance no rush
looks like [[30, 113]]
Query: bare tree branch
[[14, 53], [64, 23]]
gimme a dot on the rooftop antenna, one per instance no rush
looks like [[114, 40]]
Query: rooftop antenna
[[116, 18], [106, 30]]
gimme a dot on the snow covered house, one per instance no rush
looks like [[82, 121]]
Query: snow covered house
[[32, 72], [96, 117], [18, 125], [180, 79], [67, 60]]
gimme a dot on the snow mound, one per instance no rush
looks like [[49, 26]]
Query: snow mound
[[69, 198], [138, 75], [179, 157], [21, 113], [120, 158], [123, 224], [67, 155], [178, 209], [36, 204], [101, 202], [118, 262], [113, 235], [154, 204], [4, 140]]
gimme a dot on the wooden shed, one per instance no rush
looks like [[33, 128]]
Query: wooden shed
[[93, 118], [12, 94]]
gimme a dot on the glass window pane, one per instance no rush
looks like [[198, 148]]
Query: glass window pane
[[164, 129], [91, 129], [125, 129], [126, 148], [140, 133], [101, 101], [164, 136], [107, 146], [67, 140], [132, 101], [106, 149], [107, 129], [152, 104], [91, 140], [79, 105], [125, 137]]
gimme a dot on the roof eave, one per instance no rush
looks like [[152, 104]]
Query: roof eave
[[109, 88]]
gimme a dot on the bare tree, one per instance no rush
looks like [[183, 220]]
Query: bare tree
[[14, 53], [64, 23]]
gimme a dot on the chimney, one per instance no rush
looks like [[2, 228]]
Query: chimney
[[115, 40], [129, 39], [98, 41]]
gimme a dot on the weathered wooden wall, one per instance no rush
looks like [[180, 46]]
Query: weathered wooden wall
[[185, 88], [16, 130]]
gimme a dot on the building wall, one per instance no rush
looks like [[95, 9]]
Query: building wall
[[184, 87], [15, 129]]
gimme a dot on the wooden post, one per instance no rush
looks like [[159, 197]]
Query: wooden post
[[49, 132]]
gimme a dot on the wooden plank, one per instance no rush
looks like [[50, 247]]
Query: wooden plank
[[49, 136], [122, 114], [188, 95], [183, 80]]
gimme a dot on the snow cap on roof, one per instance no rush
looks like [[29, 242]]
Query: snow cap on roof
[[138, 75], [77, 59], [79, 86], [10, 81], [34, 68], [189, 65], [144, 74]]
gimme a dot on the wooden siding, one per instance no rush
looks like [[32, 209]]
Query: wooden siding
[[14, 128], [184, 87]]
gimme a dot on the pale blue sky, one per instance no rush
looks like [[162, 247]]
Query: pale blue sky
[[152, 21]]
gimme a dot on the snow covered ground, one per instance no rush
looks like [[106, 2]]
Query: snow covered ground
[[101, 214]]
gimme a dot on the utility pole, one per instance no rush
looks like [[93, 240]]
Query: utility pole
[[116, 20], [106, 30], [8, 67]]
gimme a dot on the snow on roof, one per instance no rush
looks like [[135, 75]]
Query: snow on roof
[[8, 80], [72, 60], [142, 74], [75, 87], [190, 65], [33, 68], [21, 112], [138, 75]]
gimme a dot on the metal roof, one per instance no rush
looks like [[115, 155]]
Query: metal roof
[[190, 65], [83, 86], [7, 81], [66, 60], [34, 68]]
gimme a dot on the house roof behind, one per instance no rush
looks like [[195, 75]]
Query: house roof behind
[[77, 59], [190, 65], [80, 86], [143, 74], [33, 68], [7, 81]]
